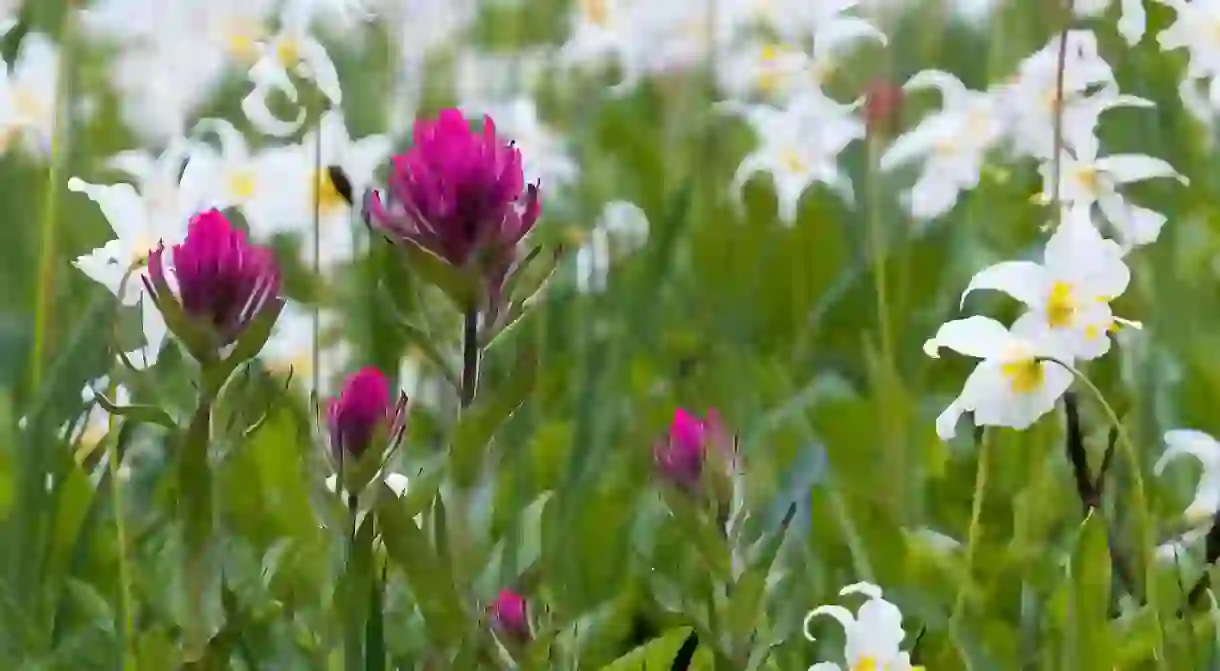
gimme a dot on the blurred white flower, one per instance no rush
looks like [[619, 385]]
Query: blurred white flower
[[1171, 552], [1069, 293], [873, 635], [951, 143], [27, 96], [291, 50], [774, 72], [1203, 447], [1028, 100], [97, 420], [799, 145], [1132, 23], [239, 178], [1086, 179], [290, 347], [300, 179], [1195, 29], [544, 152], [159, 209], [1013, 385], [622, 229]]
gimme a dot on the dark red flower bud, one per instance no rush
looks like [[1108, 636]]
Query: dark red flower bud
[[509, 617]]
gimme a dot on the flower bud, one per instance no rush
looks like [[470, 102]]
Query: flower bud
[[681, 456], [223, 283], [882, 106], [364, 416], [458, 194], [508, 616]]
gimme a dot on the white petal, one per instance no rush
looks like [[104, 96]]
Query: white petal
[[1133, 22], [953, 92], [839, 613], [1126, 168], [120, 204], [1190, 442], [322, 70], [979, 337], [254, 106], [868, 589], [1025, 281], [332, 484], [397, 482]]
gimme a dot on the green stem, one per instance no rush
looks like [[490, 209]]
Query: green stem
[[1144, 533], [131, 659], [195, 485], [353, 621], [49, 225], [976, 514], [470, 357]]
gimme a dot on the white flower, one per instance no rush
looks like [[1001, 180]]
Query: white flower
[[543, 151], [1131, 25], [774, 72], [290, 347], [27, 95], [300, 179], [624, 226], [1013, 385], [799, 145], [240, 178], [160, 209], [1196, 29], [873, 634], [293, 50], [1085, 180], [1069, 293], [97, 420], [952, 144], [1028, 102], [1204, 448]]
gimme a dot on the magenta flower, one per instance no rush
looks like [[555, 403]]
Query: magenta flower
[[223, 282], [680, 457], [508, 615], [364, 415], [457, 193]]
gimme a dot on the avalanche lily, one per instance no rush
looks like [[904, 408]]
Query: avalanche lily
[[873, 634], [1014, 384], [1069, 293], [1183, 442]]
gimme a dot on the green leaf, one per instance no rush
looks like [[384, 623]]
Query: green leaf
[[139, 414], [460, 285], [430, 581], [480, 422], [656, 655], [698, 529], [1090, 597], [414, 335]]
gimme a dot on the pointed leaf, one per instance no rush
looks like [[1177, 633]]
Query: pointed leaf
[[460, 285], [1090, 597], [138, 414], [656, 655], [480, 422]]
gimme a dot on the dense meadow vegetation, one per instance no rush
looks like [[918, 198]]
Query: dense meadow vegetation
[[748, 335]]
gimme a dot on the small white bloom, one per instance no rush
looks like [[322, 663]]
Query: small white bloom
[[767, 70], [1132, 23], [1086, 179], [293, 50], [952, 144], [1013, 385], [27, 96], [1204, 448], [1069, 293], [874, 634], [799, 145]]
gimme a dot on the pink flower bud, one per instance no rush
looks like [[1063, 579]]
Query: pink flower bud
[[882, 106], [364, 412], [459, 194], [508, 615], [680, 457], [223, 281]]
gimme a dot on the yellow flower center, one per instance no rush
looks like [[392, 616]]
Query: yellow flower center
[[792, 161], [328, 197], [768, 79], [242, 38], [287, 51], [1060, 307], [241, 184], [596, 12], [1091, 332], [1024, 376], [1088, 179], [865, 664]]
